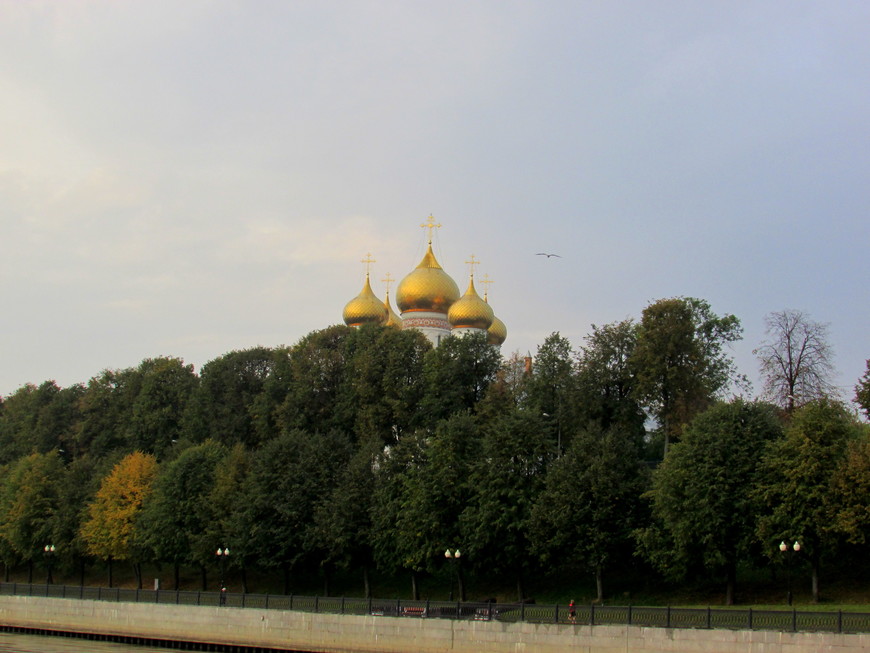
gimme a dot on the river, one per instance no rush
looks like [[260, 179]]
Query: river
[[16, 643]]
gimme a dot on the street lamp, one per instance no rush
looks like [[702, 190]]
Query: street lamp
[[787, 552], [49, 559], [455, 556], [222, 555]]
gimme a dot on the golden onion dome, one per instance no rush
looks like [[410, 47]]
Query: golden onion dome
[[470, 310], [393, 320], [427, 288], [497, 332], [365, 308]]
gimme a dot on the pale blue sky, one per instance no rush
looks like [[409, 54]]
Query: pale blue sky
[[188, 178]]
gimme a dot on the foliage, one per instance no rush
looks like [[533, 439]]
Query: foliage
[[551, 387], [680, 360], [796, 360], [796, 490], [703, 512], [38, 419], [862, 391], [584, 517], [109, 529], [851, 489]]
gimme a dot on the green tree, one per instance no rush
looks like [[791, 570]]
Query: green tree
[[457, 375], [851, 487], [28, 507], [110, 528], [797, 482], [106, 407], [223, 407], [39, 419], [584, 517], [680, 360], [551, 387], [703, 509], [606, 380], [173, 523], [506, 473], [289, 477], [157, 412], [862, 391]]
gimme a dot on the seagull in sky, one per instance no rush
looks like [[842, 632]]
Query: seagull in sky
[[547, 255]]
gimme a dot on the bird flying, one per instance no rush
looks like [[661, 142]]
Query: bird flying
[[547, 255]]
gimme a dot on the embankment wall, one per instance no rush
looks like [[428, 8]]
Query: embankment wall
[[330, 633]]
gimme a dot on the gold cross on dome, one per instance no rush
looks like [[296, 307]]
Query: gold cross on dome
[[472, 262], [430, 225], [486, 281], [368, 260], [388, 280]]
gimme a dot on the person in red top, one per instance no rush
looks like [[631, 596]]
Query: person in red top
[[572, 612]]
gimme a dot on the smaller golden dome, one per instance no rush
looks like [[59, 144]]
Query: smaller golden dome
[[365, 308], [497, 332], [393, 320], [427, 288], [470, 311]]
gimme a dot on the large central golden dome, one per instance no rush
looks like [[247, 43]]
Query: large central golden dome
[[427, 288]]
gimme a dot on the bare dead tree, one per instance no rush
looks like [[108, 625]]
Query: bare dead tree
[[796, 359]]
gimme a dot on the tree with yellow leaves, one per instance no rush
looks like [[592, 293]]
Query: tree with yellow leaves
[[110, 528]]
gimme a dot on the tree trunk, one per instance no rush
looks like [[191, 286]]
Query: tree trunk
[[460, 581], [286, 568], [367, 588], [415, 591], [176, 573], [730, 582], [244, 580], [521, 590], [204, 576], [82, 572], [326, 588], [109, 569], [137, 573], [599, 584], [815, 564], [5, 572], [30, 572]]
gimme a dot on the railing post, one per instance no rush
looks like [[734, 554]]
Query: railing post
[[591, 614], [668, 617], [426, 614], [556, 614], [709, 618], [750, 618], [839, 621], [370, 604], [523, 611], [267, 601], [794, 620], [398, 607], [198, 594], [342, 605], [489, 612], [316, 604], [458, 611]]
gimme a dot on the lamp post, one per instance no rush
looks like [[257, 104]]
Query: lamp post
[[788, 551], [222, 555], [455, 556], [49, 560]]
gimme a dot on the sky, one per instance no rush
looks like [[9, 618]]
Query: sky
[[190, 178]]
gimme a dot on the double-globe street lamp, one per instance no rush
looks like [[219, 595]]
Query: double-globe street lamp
[[49, 550], [222, 555], [788, 551], [455, 555]]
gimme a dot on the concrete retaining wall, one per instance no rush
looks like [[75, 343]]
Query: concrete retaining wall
[[361, 634]]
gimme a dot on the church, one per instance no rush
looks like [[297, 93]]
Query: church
[[429, 301]]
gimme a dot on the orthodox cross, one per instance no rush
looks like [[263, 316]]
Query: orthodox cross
[[486, 281], [368, 260], [430, 225], [388, 280], [472, 262]]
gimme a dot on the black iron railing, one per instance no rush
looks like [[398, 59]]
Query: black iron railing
[[594, 615]]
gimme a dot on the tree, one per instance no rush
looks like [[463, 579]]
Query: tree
[[796, 491], [29, 499], [551, 387], [680, 362], [703, 511], [174, 520], [507, 472], [156, 416], [851, 486], [585, 516], [796, 359], [606, 380], [110, 529], [862, 391]]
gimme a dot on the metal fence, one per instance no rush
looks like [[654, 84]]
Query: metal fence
[[592, 615]]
